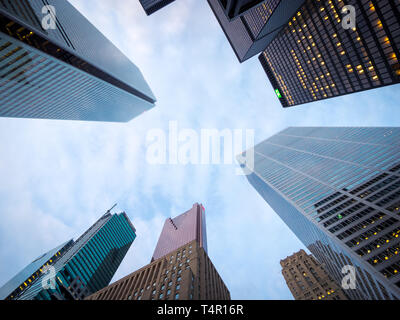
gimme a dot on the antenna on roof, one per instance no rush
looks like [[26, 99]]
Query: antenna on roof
[[109, 210]]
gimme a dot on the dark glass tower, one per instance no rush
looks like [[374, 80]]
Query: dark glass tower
[[81, 267], [151, 6], [338, 190], [187, 227], [250, 33], [71, 72], [314, 57]]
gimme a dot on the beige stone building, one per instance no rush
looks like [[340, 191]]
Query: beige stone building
[[307, 279], [184, 274]]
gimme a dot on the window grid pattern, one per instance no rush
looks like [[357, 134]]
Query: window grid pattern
[[315, 58], [343, 187]]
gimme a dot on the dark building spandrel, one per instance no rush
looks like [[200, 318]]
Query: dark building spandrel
[[182, 229], [338, 190], [71, 72], [315, 58]]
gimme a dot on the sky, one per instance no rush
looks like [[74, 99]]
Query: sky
[[59, 177]]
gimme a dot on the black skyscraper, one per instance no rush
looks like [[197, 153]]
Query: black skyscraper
[[314, 57]]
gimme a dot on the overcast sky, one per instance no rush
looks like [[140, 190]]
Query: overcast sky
[[58, 177]]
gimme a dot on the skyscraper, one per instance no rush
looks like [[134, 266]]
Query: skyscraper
[[179, 270], [251, 32], [151, 6], [183, 274], [307, 279], [338, 190], [317, 56], [54, 64], [189, 226], [81, 267]]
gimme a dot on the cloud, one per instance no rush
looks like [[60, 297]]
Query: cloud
[[58, 177]]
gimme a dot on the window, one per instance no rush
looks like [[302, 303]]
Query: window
[[161, 295], [177, 296], [168, 292], [179, 279], [178, 286]]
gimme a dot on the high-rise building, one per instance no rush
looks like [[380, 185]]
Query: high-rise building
[[251, 32], [181, 230], [81, 267], [183, 274], [307, 279], [179, 270], [54, 64], [338, 190], [151, 6], [31, 272], [315, 57]]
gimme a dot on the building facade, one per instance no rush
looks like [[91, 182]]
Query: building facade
[[184, 274], [317, 56], [251, 32], [54, 64], [81, 267], [151, 6], [338, 190], [180, 268], [31, 272], [176, 232], [307, 279]]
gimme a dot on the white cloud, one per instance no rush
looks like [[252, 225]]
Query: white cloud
[[58, 177]]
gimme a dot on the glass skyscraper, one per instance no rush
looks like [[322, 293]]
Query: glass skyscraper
[[338, 190], [69, 72], [314, 57], [177, 232], [81, 267]]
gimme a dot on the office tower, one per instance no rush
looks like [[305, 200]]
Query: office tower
[[25, 277], [184, 274], [151, 6], [179, 270], [250, 33], [307, 279], [81, 267], [314, 57], [338, 190], [183, 229], [61, 67]]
